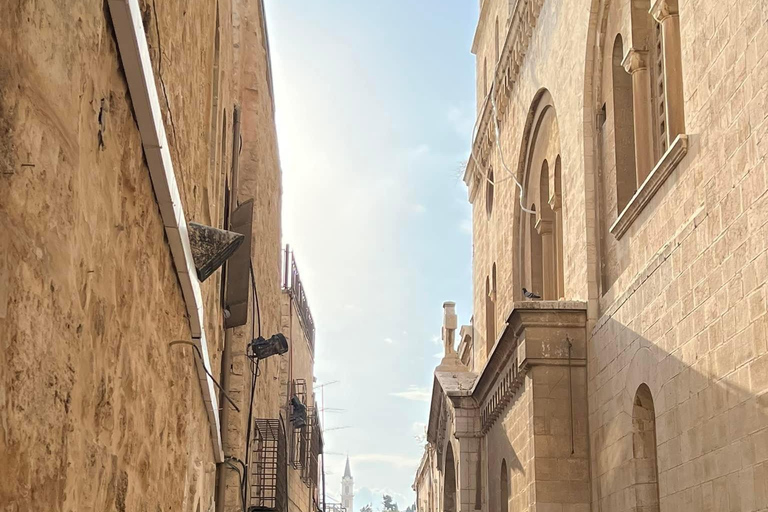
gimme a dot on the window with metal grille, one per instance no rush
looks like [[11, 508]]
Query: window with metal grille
[[267, 476], [309, 474], [315, 449], [299, 435], [306, 446]]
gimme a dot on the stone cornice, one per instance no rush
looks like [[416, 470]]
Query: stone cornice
[[532, 336], [652, 183], [519, 32]]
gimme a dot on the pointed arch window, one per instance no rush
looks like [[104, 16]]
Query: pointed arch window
[[490, 310], [489, 190], [541, 232], [504, 486], [623, 128], [645, 486]]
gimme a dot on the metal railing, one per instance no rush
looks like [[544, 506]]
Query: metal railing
[[293, 285]]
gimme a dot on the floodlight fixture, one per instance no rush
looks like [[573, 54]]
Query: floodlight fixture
[[261, 348]]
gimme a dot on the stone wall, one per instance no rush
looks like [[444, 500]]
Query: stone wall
[[99, 412], [510, 439], [679, 302]]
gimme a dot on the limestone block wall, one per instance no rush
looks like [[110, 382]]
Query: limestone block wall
[[554, 61], [679, 302], [686, 315], [560, 438], [298, 364], [510, 439], [98, 411]]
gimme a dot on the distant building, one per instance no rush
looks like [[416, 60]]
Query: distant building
[[348, 489]]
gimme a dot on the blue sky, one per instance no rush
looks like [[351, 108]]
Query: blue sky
[[375, 106]]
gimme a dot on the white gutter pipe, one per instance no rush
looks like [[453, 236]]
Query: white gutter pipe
[[134, 53]]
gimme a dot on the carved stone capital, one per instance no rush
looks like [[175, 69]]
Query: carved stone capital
[[663, 9], [544, 226], [635, 60]]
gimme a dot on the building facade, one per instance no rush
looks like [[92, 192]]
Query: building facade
[[618, 176], [131, 130]]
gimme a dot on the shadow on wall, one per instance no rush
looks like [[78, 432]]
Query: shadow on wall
[[670, 433]]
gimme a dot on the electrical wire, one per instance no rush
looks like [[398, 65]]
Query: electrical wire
[[255, 297], [241, 476], [254, 368], [480, 167], [202, 362]]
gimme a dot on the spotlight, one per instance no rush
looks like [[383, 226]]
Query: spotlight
[[262, 349], [298, 413]]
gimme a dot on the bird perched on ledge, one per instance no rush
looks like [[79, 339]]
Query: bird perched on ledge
[[530, 295]]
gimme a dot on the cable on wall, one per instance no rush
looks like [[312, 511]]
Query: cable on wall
[[480, 167], [197, 350]]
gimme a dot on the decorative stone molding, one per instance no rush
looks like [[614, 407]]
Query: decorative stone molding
[[537, 333], [663, 9], [635, 60], [522, 22], [652, 183]]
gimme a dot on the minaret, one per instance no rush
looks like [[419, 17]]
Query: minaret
[[348, 489]]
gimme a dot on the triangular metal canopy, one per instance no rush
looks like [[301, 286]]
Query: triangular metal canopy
[[211, 247]]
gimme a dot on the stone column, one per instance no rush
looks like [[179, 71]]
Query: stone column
[[555, 203], [470, 474], [548, 269], [667, 14], [636, 64]]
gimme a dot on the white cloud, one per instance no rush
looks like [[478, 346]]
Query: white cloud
[[418, 208], [439, 355], [400, 461], [436, 339], [389, 340], [465, 226], [414, 393]]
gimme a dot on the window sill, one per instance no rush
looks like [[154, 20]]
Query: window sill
[[652, 183]]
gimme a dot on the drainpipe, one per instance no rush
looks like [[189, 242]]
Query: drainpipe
[[134, 54], [226, 356]]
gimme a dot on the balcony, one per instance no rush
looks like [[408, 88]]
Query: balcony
[[293, 286]]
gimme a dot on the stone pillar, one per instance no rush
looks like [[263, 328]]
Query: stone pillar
[[667, 14], [470, 474], [636, 64], [548, 269]]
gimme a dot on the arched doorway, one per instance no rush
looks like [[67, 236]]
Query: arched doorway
[[645, 490], [449, 484]]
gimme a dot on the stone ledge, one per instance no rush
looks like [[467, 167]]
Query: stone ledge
[[652, 183]]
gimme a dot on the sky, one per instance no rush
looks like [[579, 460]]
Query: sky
[[375, 107]]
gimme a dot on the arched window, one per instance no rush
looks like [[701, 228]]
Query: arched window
[[623, 129], [489, 189], [541, 232], [449, 484], [496, 46], [504, 486], [645, 487], [490, 310]]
